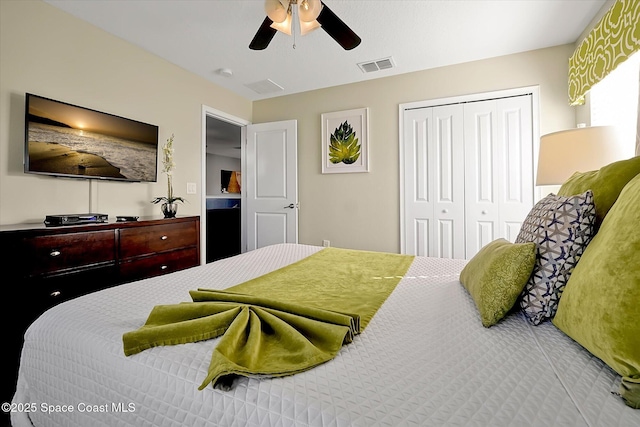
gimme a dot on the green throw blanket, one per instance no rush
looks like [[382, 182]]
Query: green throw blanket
[[284, 322]]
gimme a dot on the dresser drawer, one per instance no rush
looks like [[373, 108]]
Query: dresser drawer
[[55, 289], [157, 238], [156, 265], [61, 252]]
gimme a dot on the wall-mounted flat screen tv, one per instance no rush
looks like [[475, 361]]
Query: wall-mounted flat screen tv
[[71, 141]]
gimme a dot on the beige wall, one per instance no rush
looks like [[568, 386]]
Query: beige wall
[[50, 53], [361, 211]]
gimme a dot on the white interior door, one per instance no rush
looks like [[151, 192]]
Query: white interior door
[[482, 173], [517, 182], [499, 188], [448, 182], [434, 182], [418, 199], [271, 184]]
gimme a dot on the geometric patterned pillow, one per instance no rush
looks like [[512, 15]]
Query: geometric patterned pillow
[[561, 227]]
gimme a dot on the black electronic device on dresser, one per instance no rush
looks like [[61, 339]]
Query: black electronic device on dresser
[[75, 219], [43, 266]]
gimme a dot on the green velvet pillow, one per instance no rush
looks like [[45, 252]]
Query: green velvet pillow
[[605, 183], [496, 276], [600, 306]]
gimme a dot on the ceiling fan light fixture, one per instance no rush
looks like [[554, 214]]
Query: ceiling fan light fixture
[[309, 10], [307, 15], [307, 27], [275, 10], [284, 26]]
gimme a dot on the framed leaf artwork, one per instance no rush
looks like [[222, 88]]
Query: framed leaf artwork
[[345, 141]]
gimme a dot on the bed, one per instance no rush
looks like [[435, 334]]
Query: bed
[[425, 358]]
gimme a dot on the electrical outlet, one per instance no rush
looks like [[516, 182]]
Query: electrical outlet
[[191, 188], [326, 243]]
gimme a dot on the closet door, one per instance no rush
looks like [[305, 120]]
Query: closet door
[[433, 175], [498, 169], [516, 154], [417, 177]]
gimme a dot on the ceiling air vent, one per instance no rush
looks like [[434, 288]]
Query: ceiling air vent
[[265, 86], [377, 65]]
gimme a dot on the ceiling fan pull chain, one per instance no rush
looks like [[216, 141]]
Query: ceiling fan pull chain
[[294, 21]]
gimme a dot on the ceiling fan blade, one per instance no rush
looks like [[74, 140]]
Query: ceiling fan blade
[[337, 29], [264, 35]]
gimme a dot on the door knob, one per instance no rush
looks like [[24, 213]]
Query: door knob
[[290, 206], [484, 212], [445, 210]]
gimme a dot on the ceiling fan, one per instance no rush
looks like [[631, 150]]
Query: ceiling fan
[[308, 15]]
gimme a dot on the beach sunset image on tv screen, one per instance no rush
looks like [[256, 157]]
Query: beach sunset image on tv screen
[[68, 140]]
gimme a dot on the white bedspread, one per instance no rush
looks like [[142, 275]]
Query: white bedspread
[[425, 359]]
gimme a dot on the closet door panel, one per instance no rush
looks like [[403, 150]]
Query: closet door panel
[[499, 167], [516, 193], [481, 174], [418, 176], [422, 237], [433, 168], [484, 232], [482, 150], [447, 239], [511, 229], [448, 162]]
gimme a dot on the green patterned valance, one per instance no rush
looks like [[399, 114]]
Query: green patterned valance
[[610, 43]]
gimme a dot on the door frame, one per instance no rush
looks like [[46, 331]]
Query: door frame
[[242, 123], [481, 96]]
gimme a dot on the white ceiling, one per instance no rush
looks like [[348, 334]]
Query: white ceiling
[[204, 36], [223, 138]]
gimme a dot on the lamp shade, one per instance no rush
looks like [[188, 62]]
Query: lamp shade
[[309, 10], [576, 150], [284, 26], [307, 27], [275, 10]]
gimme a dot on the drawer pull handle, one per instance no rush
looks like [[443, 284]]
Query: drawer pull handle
[[55, 253], [163, 267], [55, 293], [164, 238]]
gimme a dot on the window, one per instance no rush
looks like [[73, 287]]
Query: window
[[614, 101]]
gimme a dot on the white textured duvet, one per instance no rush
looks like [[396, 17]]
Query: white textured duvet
[[425, 359]]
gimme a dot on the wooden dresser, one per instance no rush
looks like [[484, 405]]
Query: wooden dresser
[[43, 266]]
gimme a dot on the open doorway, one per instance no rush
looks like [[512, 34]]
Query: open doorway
[[222, 188], [268, 149]]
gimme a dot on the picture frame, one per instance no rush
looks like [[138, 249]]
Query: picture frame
[[230, 182], [345, 141]]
